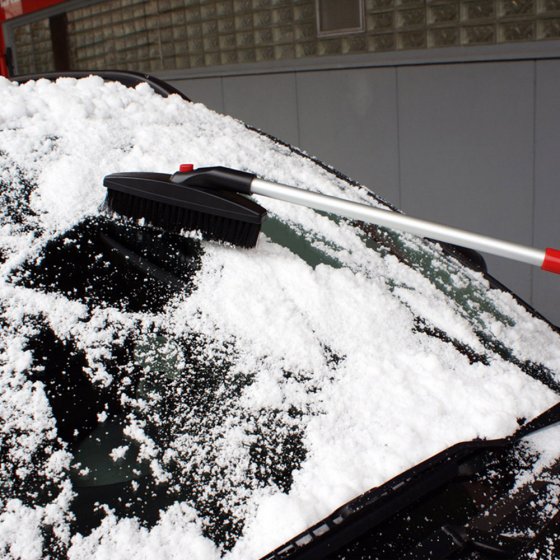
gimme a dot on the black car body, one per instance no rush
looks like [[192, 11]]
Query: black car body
[[171, 397]]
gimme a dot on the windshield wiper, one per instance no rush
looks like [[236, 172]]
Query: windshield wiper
[[458, 500]]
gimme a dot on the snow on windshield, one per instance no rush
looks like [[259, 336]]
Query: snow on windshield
[[261, 398]]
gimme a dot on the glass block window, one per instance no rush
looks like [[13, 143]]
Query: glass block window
[[153, 35], [339, 16], [34, 47]]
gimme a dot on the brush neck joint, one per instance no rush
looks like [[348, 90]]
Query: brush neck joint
[[217, 178]]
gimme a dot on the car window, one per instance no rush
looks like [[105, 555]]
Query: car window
[[464, 289]]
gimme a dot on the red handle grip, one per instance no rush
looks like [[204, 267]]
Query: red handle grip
[[551, 262]]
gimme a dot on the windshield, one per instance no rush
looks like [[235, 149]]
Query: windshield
[[159, 384]]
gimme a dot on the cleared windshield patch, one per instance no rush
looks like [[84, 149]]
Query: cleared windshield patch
[[108, 263]]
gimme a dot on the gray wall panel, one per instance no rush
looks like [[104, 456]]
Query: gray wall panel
[[466, 148], [266, 102], [348, 118], [546, 295], [202, 90], [455, 143]]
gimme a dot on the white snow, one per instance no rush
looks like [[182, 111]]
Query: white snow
[[393, 396], [176, 536], [545, 445], [20, 531]]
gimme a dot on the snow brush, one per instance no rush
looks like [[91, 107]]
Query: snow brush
[[219, 214], [222, 180]]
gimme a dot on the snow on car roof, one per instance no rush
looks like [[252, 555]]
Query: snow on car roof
[[326, 378]]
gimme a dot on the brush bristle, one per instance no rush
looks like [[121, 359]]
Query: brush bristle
[[175, 218]]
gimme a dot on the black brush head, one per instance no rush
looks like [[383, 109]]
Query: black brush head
[[221, 216]]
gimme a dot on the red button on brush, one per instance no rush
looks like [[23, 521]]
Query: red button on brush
[[186, 167]]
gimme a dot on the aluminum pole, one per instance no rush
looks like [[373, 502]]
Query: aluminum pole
[[387, 218]]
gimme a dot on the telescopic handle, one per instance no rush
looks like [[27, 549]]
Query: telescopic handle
[[401, 222], [231, 179]]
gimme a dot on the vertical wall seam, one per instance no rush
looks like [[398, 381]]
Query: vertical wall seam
[[398, 104], [298, 124], [222, 92], [534, 193]]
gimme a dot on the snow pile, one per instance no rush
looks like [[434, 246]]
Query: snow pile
[[270, 391]]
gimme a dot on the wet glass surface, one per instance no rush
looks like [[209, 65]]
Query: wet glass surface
[[107, 263], [189, 383]]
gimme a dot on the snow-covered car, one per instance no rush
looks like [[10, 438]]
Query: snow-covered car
[[338, 391]]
